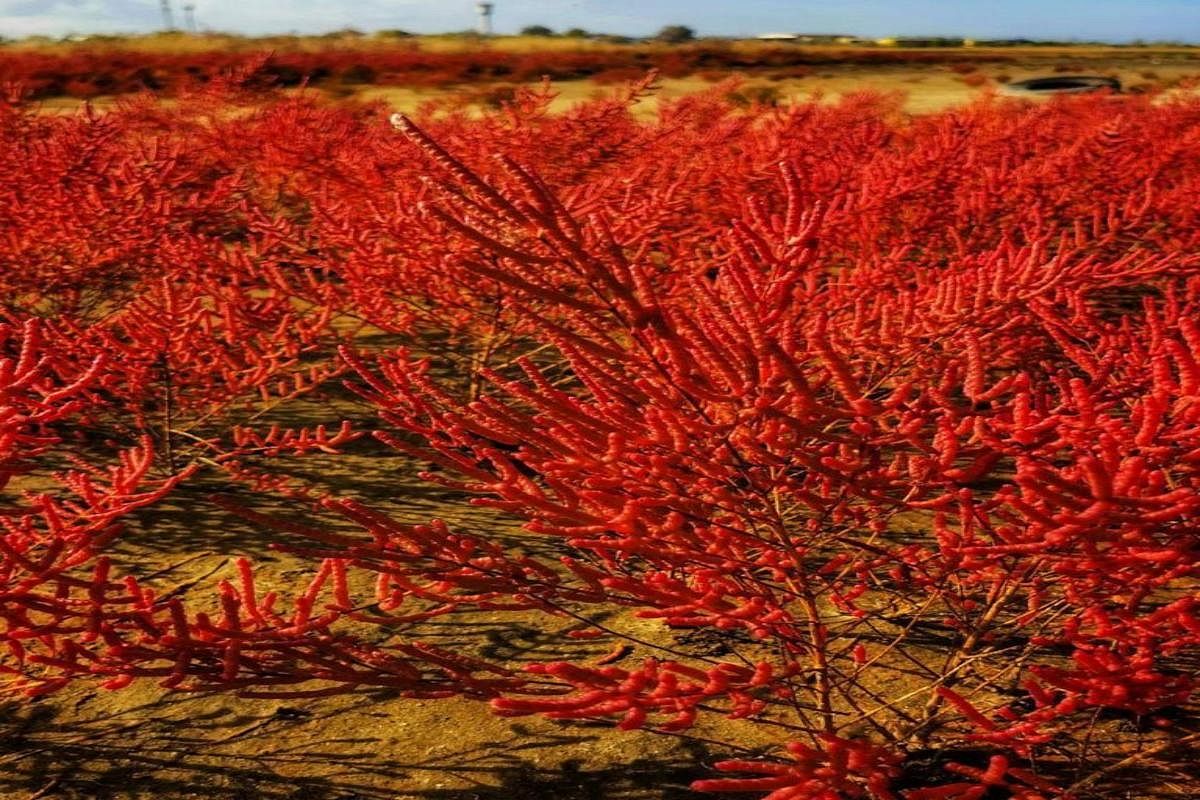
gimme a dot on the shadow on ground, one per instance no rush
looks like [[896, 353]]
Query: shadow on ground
[[159, 750]]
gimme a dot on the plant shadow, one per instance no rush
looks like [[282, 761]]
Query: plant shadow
[[226, 755]]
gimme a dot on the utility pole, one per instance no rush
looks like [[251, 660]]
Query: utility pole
[[168, 17]]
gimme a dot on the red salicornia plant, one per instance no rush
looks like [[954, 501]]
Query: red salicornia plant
[[873, 436]]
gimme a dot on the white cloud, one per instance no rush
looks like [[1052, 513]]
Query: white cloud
[[27, 17], [57, 17]]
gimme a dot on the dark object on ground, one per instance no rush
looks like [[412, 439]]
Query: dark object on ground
[[1064, 84]]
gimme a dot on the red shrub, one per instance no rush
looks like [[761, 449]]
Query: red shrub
[[903, 411], [89, 71]]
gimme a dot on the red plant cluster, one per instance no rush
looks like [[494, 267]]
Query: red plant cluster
[[87, 72], [903, 412]]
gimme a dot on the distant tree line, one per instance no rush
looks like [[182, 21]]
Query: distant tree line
[[672, 34]]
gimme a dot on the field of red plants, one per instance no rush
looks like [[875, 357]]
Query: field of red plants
[[863, 449], [87, 72]]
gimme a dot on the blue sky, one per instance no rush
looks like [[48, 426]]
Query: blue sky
[[1111, 20]]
